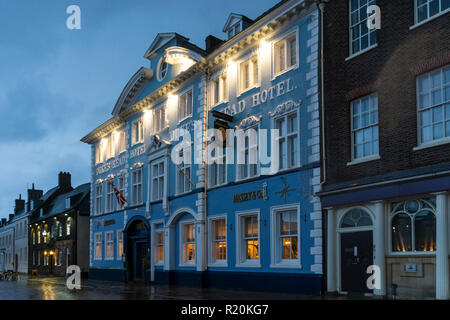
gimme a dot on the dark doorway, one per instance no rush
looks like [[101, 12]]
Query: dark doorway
[[356, 256], [137, 253]]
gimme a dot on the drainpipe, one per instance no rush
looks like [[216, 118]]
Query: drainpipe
[[321, 5]]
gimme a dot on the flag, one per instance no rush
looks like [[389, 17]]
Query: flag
[[120, 198]]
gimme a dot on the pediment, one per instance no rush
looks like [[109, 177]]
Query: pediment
[[160, 41], [157, 143], [234, 18], [132, 88]]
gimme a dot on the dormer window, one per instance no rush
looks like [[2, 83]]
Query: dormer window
[[234, 30]]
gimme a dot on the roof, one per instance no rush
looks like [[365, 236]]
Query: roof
[[234, 16]]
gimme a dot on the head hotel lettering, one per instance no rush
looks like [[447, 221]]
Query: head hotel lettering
[[215, 224]]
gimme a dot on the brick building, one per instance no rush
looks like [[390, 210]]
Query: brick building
[[387, 127], [59, 229]]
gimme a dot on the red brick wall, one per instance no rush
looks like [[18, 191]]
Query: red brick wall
[[390, 69]]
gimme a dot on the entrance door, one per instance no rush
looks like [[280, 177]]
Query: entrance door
[[140, 260], [356, 256]]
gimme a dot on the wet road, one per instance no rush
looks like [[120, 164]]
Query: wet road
[[54, 288]]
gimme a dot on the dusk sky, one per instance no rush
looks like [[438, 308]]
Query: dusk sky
[[56, 84]]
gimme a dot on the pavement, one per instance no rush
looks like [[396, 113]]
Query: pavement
[[54, 288]]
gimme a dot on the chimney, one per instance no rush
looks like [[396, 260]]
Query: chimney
[[34, 194], [3, 221], [20, 205], [212, 43], [11, 216], [64, 182]]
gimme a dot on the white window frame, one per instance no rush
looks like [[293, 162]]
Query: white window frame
[[186, 182], [109, 242], [139, 126], [252, 83], [218, 86], [429, 18], [158, 178], [284, 37], [276, 260], [119, 244], [98, 203], [158, 122], [183, 95], [284, 165], [98, 153], [121, 142], [216, 174], [96, 243], [431, 107], [160, 77], [350, 33], [137, 187], [241, 261], [244, 149], [157, 244], [372, 156], [234, 29], [212, 261], [109, 147], [110, 194], [182, 262]]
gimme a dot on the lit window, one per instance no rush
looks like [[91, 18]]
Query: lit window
[[219, 240], [288, 140], [361, 37], [158, 180], [68, 226], [137, 132], [45, 234], [120, 141], [109, 197], [247, 145], [188, 243], [287, 235], [98, 153], [248, 247], [33, 236], [109, 148], [119, 245], [185, 105], [60, 228], [219, 89], [426, 9], [98, 198], [248, 74], [285, 54], [434, 105], [109, 240], [159, 246], [98, 246], [414, 225], [365, 127], [159, 120]]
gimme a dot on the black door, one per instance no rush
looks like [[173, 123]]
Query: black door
[[140, 262], [356, 256]]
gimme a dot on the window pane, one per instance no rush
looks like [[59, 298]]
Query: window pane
[[425, 231], [401, 233]]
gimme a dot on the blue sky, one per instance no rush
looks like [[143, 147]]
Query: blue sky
[[56, 84]]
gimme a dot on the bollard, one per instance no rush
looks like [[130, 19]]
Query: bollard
[[394, 291]]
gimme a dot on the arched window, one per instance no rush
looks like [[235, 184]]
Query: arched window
[[33, 236], [45, 234], [414, 225], [59, 224], [356, 218]]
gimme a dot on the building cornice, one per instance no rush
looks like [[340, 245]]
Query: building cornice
[[241, 41]]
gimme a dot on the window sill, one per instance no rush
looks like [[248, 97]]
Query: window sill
[[286, 265], [159, 264], [217, 186], [185, 118], [136, 143], [431, 144], [187, 265], [429, 19], [247, 178], [249, 264], [361, 52], [363, 160], [221, 264], [240, 93], [284, 71], [217, 104]]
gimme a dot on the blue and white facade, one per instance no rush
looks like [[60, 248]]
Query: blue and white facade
[[213, 222]]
